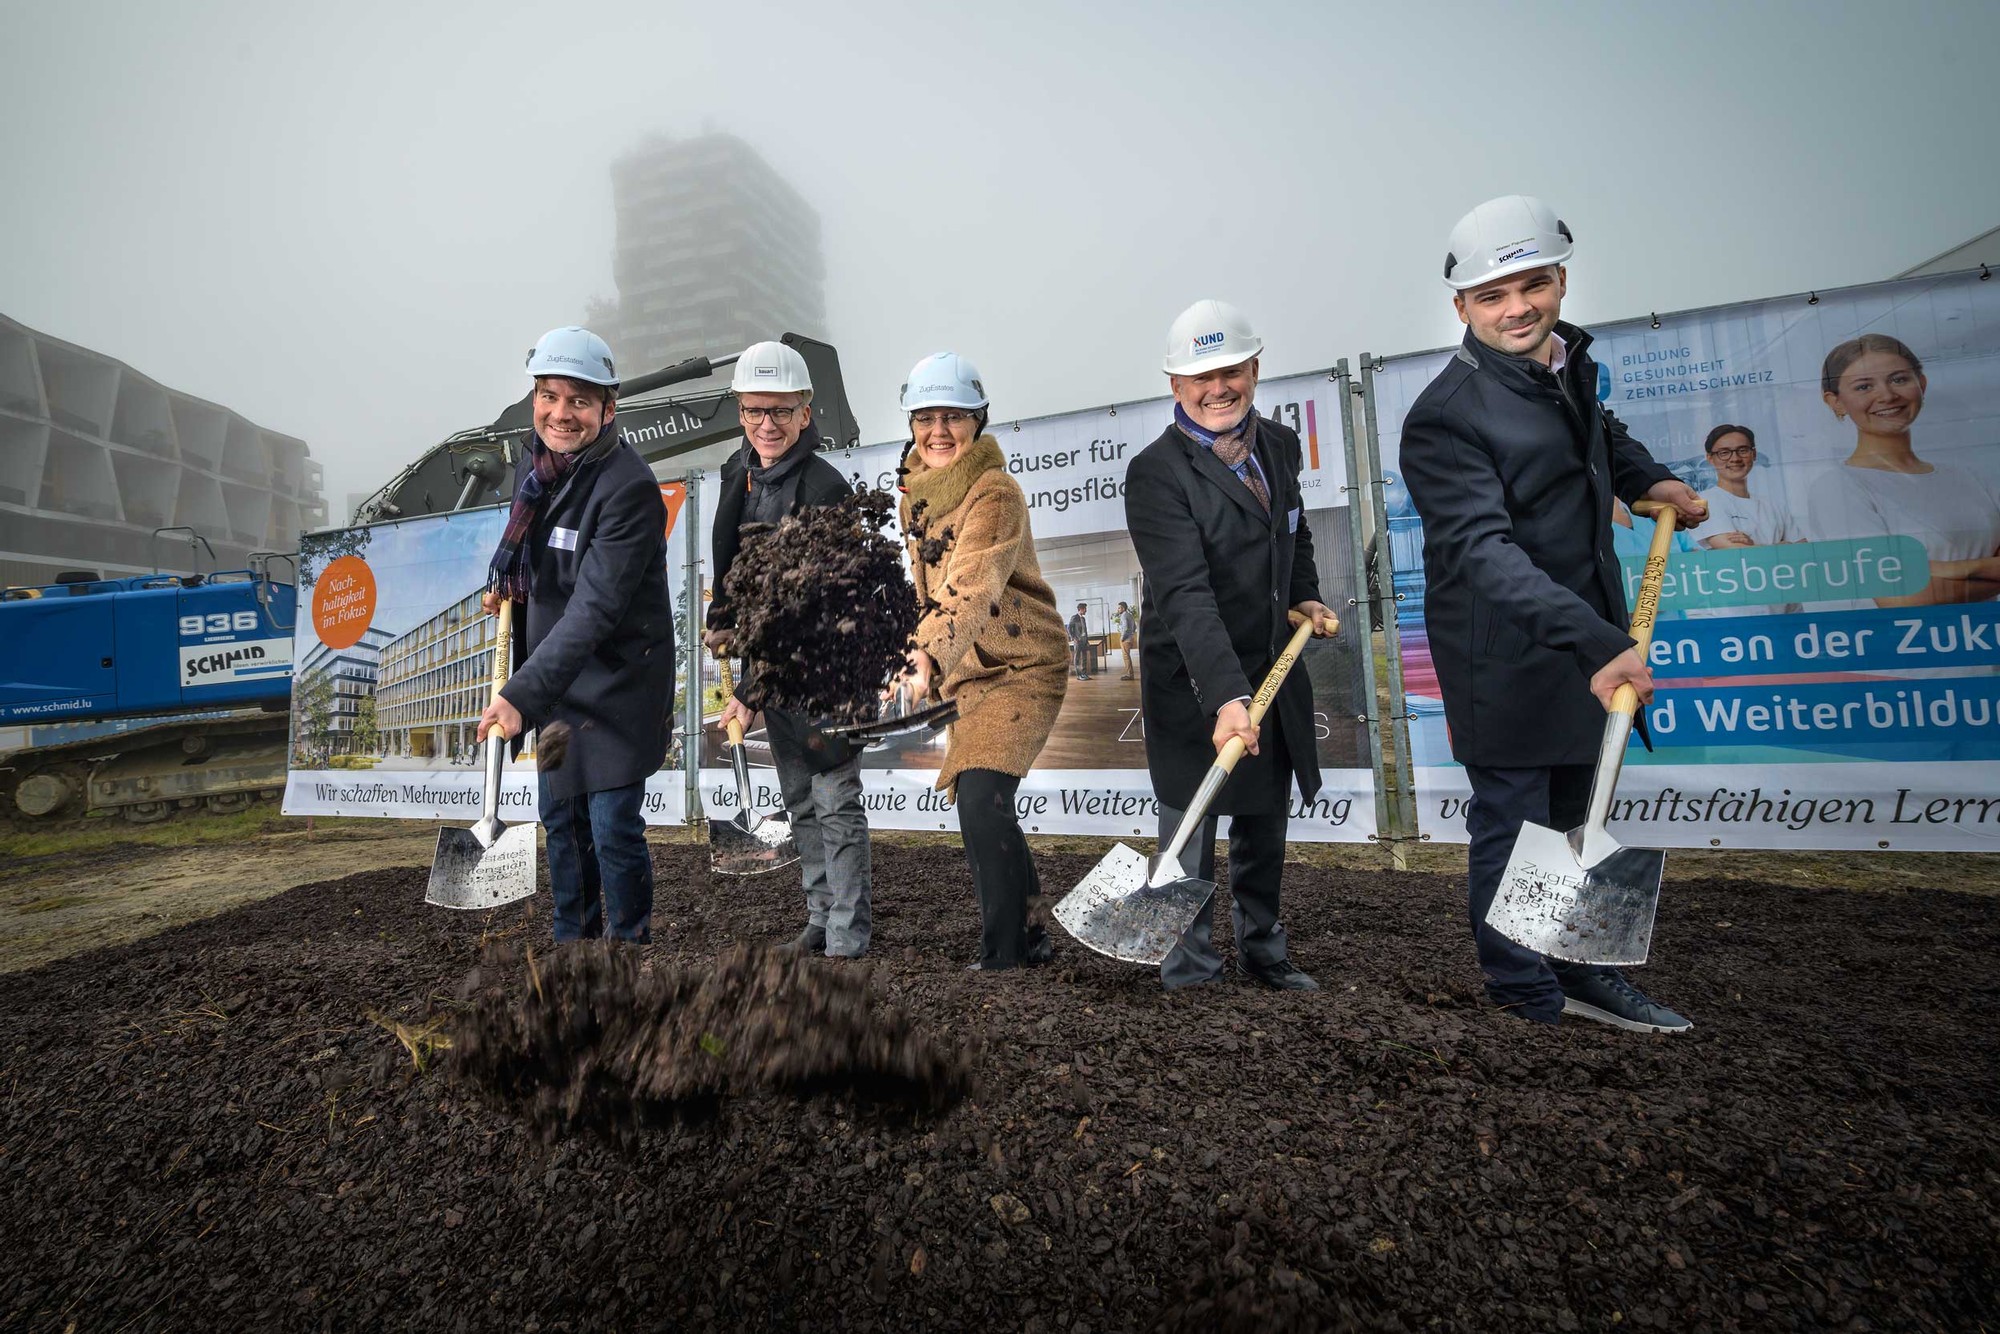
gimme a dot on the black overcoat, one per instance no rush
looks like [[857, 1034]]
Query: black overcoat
[[1514, 473], [1220, 574], [598, 647]]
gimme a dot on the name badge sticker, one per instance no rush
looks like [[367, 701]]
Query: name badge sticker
[[562, 539], [1292, 518]]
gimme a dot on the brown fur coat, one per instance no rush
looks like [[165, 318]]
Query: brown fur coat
[[990, 620]]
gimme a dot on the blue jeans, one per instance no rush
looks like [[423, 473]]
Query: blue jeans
[[599, 864]]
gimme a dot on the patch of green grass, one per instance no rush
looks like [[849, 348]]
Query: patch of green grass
[[187, 829], [51, 904]]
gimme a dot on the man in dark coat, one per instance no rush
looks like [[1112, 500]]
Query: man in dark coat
[[585, 550], [778, 472], [1079, 643], [1217, 517], [1513, 466]]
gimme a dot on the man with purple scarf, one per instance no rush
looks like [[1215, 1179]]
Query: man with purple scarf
[[584, 558], [1218, 520]]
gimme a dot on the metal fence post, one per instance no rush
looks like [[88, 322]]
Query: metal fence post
[[1361, 605], [691, 702], [1384, 575]]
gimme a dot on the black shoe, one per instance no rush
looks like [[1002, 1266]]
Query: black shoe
[[1280, 976], [1607, 998], [812, 940]]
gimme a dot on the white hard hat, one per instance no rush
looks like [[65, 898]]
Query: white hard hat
[[944, 380], [1208, 336], [1504, 236], [771, 368], [573, 354]]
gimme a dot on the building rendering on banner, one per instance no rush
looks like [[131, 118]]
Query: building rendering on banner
[[350, 674], [94, 456], [714, 251], [433, 682]]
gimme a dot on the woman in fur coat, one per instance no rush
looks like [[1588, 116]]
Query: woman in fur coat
[[990, 639]]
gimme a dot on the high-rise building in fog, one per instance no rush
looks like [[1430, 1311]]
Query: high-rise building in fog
[[715, 251]]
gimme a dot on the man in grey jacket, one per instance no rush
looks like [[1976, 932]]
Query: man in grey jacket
[[584, 551]]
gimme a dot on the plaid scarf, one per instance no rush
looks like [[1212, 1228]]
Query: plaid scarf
[[510, 575], [1233, 447]]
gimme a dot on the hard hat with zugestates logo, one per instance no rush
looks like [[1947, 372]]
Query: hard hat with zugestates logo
[[944, 380], [771, 368], [1208, 336], [575, 354], [1503, 237]]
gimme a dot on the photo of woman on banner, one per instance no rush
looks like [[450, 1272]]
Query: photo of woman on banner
[[990, 639], [1883, 489]]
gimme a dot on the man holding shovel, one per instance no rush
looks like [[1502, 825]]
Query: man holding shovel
[[778, 472], [1513, 466], [1218, 521], [585, 550]]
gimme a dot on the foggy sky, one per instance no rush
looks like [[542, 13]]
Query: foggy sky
[[348, 222]]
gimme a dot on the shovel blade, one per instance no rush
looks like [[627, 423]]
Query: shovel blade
[[1549, 902], [1114, 911], [745, 845], [467, 874]]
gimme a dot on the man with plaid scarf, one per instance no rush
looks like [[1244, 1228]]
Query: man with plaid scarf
[[584, 558]]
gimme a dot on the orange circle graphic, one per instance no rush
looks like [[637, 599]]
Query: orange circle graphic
[[344, 602]]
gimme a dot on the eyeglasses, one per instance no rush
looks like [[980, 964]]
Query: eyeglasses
[[923, 421], [782, 416], [1734, 453]]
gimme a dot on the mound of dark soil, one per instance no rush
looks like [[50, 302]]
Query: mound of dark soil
[[824, 609], [250, 1123], [583, 1038]]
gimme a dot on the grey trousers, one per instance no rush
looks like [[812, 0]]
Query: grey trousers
[[834, 860], [1256, 861]]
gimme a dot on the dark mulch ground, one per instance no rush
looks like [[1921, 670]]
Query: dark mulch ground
[[206, 1130]]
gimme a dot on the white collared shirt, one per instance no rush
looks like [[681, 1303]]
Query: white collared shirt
[[1560, 357]]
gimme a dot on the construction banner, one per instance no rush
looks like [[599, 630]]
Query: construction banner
[[1828, 653], [395, 664], [1091, 777]]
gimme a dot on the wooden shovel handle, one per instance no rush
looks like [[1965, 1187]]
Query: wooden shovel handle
[[728, 693], [503, 650], [1646, 610], [1260, 703]]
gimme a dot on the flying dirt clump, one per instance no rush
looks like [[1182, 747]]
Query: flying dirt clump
[[824, 609], [584, 1040]]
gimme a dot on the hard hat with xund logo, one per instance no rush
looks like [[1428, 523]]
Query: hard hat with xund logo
[[1208, 336]]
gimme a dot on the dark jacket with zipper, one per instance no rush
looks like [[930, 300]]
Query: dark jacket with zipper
[[1220, 574], [1513, 470], [808, 482], [597, 651]]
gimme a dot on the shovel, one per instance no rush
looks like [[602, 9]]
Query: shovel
[[929, 718], [1581, 896], [1138, 911], [746, 843], [490, 863]]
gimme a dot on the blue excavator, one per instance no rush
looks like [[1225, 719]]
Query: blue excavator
[[145, 695]]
